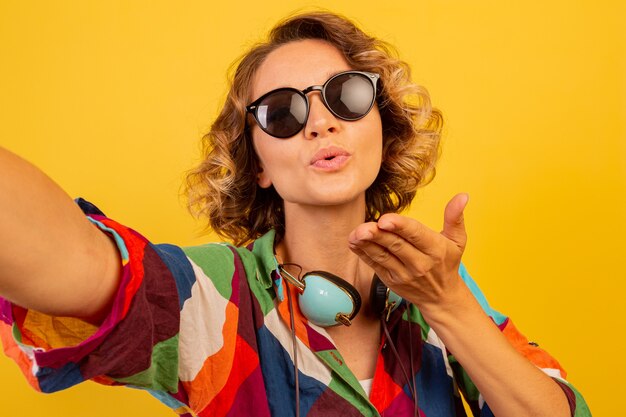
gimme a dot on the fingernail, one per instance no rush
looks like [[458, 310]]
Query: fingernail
[[386, 225]]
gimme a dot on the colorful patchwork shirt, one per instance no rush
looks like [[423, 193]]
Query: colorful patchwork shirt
[[206, 330]]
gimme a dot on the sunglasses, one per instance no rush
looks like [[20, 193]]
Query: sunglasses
[[283, 112]]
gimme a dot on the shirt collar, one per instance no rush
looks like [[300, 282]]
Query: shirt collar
[[263, 250]]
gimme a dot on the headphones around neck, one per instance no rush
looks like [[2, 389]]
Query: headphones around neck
[[328, 300]]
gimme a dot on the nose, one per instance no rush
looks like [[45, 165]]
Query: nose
[[321, 121]]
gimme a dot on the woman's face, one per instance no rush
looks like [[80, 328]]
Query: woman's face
[[294, 165]]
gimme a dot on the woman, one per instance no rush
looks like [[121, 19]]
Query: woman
[[315, 150]]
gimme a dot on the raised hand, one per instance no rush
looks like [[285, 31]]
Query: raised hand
[[416, 262]]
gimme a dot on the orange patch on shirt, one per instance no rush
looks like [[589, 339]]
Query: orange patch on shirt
[[535, 354], [298, 318], [247, 361], [50, 332], [13, 351], [216, 369]]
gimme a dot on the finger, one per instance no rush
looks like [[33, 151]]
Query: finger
[[420, 236], [378, 254], [404, 262], [453, 220], [386, 274], [364, 231], [384, 259], [361, 254], [386, 244]]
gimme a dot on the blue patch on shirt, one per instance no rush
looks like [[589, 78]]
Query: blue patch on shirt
[[51, 380], [434, 385], [478, 294], [278, 375], [180, 267]]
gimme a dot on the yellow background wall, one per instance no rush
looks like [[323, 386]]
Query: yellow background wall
[[110, 99]]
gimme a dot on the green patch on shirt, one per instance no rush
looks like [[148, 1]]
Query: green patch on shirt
[[163, 372], [217, 261]]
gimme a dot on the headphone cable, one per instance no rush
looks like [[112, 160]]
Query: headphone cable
[[412, 387], [412, 367], [295, 349]]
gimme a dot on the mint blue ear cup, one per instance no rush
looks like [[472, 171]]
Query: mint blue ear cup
[[328, 300]]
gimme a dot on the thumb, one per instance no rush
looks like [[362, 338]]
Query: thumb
[[453, 222]]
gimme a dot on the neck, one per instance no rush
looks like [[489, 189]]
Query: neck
[[316, 238]]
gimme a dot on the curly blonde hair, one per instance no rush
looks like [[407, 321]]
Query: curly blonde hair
[[223, 187]]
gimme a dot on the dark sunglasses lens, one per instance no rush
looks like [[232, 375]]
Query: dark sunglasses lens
[[282, 114], [350, 95]]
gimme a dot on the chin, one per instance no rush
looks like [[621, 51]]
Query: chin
[[338, 196], [338, 191]]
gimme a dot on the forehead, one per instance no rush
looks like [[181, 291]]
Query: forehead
[[298, 64]]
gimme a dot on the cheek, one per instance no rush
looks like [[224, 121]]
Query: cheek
[[276, 156], [377, 159], [375, 144], [262, 147], [370, 149]]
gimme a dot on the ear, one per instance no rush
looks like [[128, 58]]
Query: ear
[[263, 179]]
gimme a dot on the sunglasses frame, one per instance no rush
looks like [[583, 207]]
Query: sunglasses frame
[[371, 76]]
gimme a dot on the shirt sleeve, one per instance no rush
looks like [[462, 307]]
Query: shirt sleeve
[[136, 344], [528, 349]]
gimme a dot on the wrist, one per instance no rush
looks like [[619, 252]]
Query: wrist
[[456, 310]]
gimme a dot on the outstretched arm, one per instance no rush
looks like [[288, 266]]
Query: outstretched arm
[[52, 259]]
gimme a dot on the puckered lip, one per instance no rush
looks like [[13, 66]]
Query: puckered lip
[[329, 153]]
